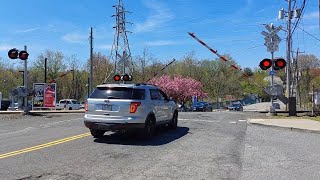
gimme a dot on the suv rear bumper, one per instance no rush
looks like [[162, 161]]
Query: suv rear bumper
[[112, 126]]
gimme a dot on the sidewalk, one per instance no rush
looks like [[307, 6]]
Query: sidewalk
[[297, 124]]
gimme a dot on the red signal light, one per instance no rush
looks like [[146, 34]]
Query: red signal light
[[265, 64], [117, 77], [279, 64], [126, 77], [13, 54], [23, 55]]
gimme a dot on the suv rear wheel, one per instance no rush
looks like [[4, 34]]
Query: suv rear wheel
[[150, 127], [174, 121], [97, 133]]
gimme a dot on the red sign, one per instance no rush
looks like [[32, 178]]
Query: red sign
[[50, 95]]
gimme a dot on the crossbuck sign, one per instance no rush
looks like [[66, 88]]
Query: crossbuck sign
[[272, 40]]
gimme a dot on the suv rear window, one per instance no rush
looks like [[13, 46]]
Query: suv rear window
[[118, 93]]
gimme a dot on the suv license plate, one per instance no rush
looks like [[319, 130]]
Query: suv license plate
[[106, 107]]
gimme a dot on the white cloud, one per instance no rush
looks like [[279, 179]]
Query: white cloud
[[160, 15], [312, 15], [27, 30], [160, 43], [75, 38], [104, 46], [6, 47]]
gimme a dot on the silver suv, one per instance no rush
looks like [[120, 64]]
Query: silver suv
[[119, 107]]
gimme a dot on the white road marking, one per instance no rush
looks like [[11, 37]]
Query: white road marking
[[232, 122], [198, 120], [242, 120]]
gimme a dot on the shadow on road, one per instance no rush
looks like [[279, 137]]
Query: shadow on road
[[162, 137]]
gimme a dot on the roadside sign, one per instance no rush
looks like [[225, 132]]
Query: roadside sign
[[272, 73], [272, 40], [277, 90]]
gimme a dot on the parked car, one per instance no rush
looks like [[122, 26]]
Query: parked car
[[82, 105], [119, 107], [237, 106], [69, 104], [201, 106], [5, 105], [14, 106]]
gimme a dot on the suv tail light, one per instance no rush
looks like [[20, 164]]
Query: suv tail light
[[134, 106], [86, 106]]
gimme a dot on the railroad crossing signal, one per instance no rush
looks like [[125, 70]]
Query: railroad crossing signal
[[277, 64], [14, 54], [124, 77]]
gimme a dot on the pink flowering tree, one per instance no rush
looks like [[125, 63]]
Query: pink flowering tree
[[179, 88]]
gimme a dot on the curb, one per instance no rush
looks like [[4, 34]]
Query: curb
[[265, 111], [288, 128], [43, 112]]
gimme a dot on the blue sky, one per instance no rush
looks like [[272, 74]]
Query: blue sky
[[232, 27]]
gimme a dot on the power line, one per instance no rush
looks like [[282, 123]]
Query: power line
[[296, 23], [308, 33]]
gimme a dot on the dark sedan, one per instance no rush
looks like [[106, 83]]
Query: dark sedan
[[201, 106], [237, 106]]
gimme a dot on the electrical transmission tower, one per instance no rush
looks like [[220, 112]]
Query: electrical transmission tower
[[120, 52]]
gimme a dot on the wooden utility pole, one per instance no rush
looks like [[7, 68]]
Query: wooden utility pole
[[91, 63]]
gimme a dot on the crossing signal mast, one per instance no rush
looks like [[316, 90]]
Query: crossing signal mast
[[120, 52]]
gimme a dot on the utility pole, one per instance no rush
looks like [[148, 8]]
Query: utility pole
[[73, 84], [296, 77], [312, 111], [120, 51], [297, 13], [25, 83], [91, 63], [45, 70], [288, 52]]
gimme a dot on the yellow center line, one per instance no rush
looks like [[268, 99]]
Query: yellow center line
[[41, 146]]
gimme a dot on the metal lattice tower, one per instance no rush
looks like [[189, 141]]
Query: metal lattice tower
[[120, 51]]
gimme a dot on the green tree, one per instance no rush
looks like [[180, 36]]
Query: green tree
[[102, 68]]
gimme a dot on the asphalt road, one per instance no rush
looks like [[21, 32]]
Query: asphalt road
[[216, 145]]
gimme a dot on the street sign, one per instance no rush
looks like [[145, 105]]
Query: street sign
[[277, 90], [272, 73], [272, 40]]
